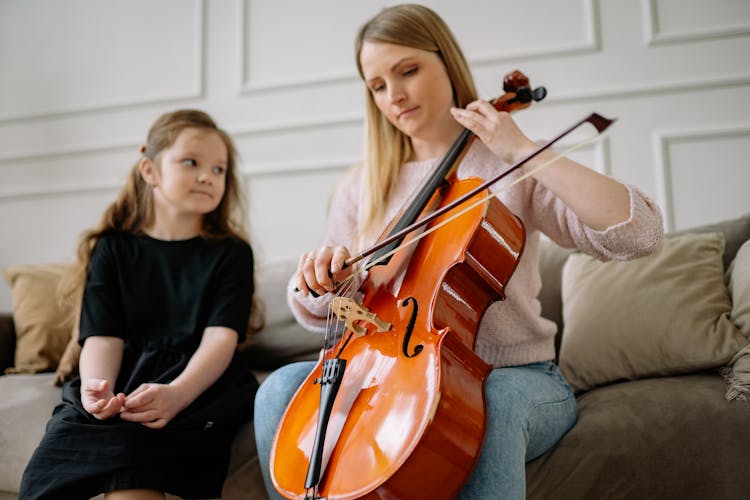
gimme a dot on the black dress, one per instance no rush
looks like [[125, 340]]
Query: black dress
[[158, 296]]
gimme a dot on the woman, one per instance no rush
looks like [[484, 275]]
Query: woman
[[420, 95]]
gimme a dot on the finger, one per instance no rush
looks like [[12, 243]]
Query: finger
[[111, 408], [96, 406], [301, 283], [484, 108], [310, 275], [471, 120], [323, 268], [139, 416], [139, 398], [96, 385], [340, 254], [156, 424]]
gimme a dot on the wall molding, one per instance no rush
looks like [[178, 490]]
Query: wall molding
[[357, 119], [654, 36], [72, 189], [246, 86], [258, 171], [292, 168], [602, 93], [196, 92], [662, 140]]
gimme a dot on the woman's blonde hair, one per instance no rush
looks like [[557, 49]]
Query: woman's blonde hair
[[133, 210], [386, 147]]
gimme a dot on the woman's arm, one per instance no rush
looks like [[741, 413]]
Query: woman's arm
[[598, 201], [99, 366], [154, 405]]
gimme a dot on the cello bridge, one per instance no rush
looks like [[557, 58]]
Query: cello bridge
[[351, 312]]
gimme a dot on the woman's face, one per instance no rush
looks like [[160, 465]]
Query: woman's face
[[411, 88]]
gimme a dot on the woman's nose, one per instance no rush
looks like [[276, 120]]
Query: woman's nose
[[396, 94]]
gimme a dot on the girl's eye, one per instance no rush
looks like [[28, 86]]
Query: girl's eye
[[219, 170], [189, 162]]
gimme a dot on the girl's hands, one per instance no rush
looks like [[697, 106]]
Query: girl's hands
[[153, 405], [496, 129], [315, 269], [99, 400]]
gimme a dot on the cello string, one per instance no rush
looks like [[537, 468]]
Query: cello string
[[346, 286], [502, 189], [345, 289]]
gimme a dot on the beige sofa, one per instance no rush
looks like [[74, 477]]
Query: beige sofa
[[653, 418]]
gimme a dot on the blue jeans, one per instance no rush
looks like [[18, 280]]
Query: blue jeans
[[529, 407]]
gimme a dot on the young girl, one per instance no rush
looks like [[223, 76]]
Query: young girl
[[420, 95], [167, 284]]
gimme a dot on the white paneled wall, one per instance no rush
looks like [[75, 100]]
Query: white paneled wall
[[82, 80]]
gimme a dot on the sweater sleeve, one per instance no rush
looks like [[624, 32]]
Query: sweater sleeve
[[637, 236], [309, 311]]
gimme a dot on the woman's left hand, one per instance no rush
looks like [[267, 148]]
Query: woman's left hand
[[496, 129], [153, 405]]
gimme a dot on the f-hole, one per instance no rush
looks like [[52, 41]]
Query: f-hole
[[410, 328]]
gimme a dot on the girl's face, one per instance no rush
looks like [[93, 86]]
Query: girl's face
[[411, 88], [192, 173]]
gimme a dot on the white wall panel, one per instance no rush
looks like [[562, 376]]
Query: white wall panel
[[78, 55], [701, 178], [676, 21], [288, 212]]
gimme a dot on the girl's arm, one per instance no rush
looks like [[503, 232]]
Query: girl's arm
[[154, 405], [99, 366]]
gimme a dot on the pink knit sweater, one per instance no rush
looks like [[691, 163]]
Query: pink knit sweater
[[512, 332]]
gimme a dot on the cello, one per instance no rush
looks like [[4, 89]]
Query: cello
[[395, 406]]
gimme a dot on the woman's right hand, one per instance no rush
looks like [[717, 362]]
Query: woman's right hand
[[316, 268], [99, 400]]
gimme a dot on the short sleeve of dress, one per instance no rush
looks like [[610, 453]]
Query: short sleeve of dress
[[231, 304], [101, 310]]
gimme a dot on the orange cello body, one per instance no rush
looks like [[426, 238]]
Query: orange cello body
[[409, 421]]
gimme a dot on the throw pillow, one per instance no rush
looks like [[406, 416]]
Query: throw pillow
[[664, 314], [737, 373], [42, 324], [739, 289], [68, 366]]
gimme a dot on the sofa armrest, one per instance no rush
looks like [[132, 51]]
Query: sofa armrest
[[7, 341]]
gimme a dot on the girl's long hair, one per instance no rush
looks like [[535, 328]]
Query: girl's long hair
[[133, 210], [386, 147]]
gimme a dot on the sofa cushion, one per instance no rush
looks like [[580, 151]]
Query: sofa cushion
[[663, 314], [738, 371], [25, 406], [739, 289], [42, 324], [671, 437]]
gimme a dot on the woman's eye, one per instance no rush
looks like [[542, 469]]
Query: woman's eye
[[219, 170], [189, 162], [377, 88], [411, 71]]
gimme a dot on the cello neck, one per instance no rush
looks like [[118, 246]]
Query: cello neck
[[425, 193]]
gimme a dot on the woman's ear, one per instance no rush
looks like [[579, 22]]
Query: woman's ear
[[148, 172]]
